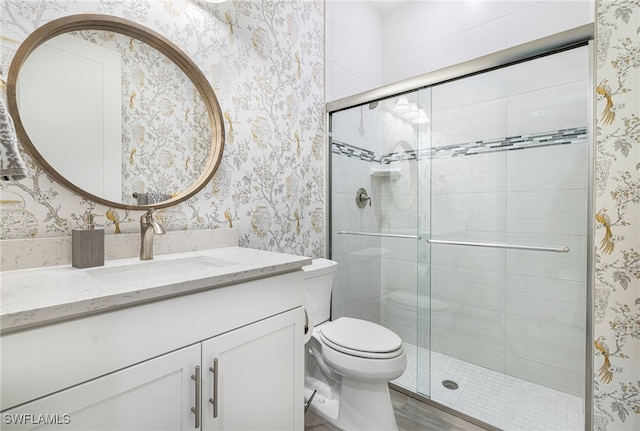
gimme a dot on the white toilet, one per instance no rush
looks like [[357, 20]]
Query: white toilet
[[348, 362]]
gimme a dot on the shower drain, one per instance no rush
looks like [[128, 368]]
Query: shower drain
[[450, 384]]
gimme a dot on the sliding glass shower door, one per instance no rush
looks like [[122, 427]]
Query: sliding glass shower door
[[376, 176], [470, 240], [508, 240]]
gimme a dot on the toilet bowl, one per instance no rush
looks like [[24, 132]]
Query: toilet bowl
[[348, 362]]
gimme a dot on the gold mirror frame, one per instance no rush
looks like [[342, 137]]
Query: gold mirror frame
[[141, 33]]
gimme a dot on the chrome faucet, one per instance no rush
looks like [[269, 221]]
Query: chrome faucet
[[148, 229]]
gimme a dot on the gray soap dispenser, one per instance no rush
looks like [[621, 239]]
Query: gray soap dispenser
[[87, 244]]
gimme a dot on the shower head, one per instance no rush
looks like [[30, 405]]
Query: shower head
[[373, 105]]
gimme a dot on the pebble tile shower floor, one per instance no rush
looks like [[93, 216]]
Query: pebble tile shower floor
[[505, 402]]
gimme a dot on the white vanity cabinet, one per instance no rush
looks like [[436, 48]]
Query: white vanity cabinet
[[151, 366]]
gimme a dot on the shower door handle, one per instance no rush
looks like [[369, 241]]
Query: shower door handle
[[388, 235], [563, 249]]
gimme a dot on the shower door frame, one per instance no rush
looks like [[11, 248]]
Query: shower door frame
[[579, 36]]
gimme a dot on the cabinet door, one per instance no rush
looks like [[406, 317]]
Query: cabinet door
[[154, 395], [260, 376]]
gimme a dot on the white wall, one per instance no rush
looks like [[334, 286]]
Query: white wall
[[353, 57], [366, 49], [421, 36]]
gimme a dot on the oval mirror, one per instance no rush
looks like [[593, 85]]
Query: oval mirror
[[115, 112]]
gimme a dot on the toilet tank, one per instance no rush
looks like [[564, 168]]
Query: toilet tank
[[317, 286]]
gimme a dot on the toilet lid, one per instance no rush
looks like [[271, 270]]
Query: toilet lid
[[361, 338]]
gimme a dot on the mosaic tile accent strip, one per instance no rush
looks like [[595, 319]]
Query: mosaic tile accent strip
[[342, 148], [559, 137]]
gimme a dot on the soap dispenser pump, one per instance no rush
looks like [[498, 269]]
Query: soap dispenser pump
[[87, 244]]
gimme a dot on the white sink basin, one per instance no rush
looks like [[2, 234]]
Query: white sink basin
[[187, 267]]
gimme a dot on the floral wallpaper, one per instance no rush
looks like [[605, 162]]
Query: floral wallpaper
[[616, 341], [265, 61]]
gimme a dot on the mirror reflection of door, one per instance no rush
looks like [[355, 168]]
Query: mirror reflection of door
[[74, 113]]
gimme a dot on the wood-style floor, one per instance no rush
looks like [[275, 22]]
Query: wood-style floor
[[411, 415]]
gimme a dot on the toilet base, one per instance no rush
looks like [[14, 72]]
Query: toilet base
[[360, 406]]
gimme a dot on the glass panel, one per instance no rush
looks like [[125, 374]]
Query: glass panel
[[375, 151], [509, 166]]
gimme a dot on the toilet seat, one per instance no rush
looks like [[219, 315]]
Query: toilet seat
[[361, 338]]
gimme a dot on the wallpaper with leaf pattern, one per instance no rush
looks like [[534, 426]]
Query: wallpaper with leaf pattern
[[617, 220], [264, 60]]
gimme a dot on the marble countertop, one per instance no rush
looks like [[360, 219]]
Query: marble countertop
[[37, 296]]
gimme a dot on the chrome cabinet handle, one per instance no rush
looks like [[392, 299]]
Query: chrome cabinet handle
[[214, 400], [196, 409]]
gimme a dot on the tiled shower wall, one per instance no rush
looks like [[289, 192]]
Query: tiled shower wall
[[421, 36], [366, 49]]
